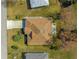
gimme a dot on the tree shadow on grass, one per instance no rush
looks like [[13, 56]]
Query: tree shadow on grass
[[23, 55], [28, 4]]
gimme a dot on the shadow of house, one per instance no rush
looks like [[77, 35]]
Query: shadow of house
[[25, 39], [23, 55], [22, 30], [23, 26], [28, 4]]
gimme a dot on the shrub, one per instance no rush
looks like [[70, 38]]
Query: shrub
[[65, 3], [16, 37], [73, 35], [56, 43], [53, 47], [17, 17], [14, 47], [56, 16], [74, 1]]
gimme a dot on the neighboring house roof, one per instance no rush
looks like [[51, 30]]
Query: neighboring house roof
[[41, 28], [38, 3], [36, 56]]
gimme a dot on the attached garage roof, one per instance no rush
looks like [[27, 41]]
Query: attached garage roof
[[38, 3], [36, 56]]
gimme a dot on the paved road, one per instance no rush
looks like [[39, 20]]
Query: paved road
[[3, 30]]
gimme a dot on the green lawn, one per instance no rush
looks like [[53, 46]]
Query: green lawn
[[21, 9], [66, 53], [56, 54]]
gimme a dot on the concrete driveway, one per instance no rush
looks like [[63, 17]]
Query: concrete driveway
[[14, 24]]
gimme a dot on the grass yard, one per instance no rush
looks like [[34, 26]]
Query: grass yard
[[20, 9], [68, 52]]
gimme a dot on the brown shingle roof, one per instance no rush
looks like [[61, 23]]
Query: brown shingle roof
[[40, 27]]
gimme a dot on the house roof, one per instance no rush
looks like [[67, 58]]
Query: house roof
[[38, 3], [36, 56], [40, 27]]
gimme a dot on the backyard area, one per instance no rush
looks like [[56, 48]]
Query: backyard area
[[69, 52], [65, 19], [20, 9]]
